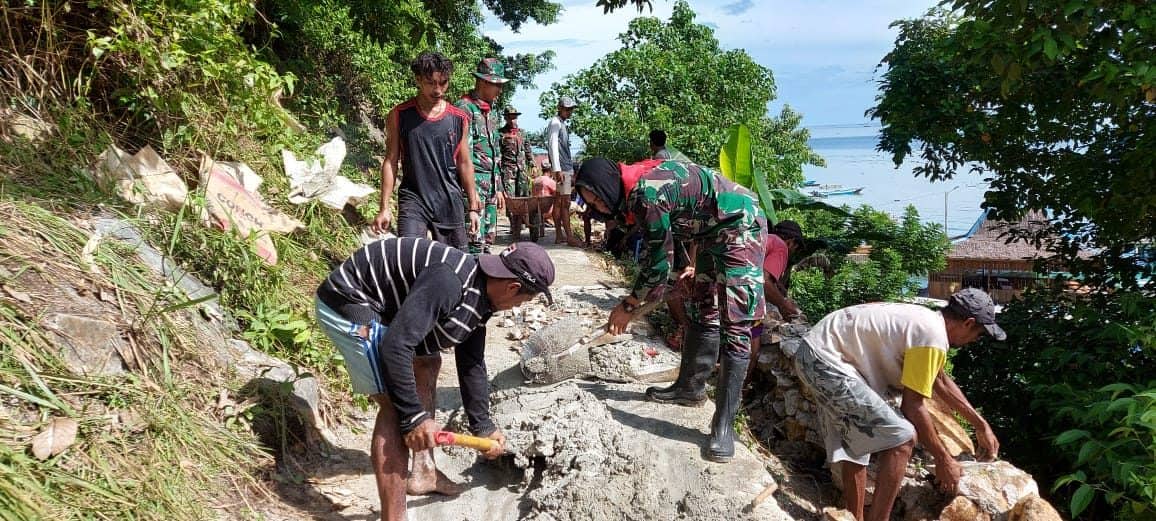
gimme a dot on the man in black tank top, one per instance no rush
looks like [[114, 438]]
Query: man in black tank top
[[430, 139]]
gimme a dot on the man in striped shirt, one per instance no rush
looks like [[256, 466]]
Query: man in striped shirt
[[390, 309]]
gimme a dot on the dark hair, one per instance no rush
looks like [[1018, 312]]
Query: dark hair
[[429, 63], [953, 314], [658, 138]]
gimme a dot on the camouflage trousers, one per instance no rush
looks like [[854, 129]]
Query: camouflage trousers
[[727, 292], [517, 183], [488, 218]]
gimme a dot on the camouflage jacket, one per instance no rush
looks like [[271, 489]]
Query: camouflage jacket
[[484, 137], [516, 155], [678, 203]]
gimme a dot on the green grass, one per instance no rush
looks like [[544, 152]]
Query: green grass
[[148, 446]]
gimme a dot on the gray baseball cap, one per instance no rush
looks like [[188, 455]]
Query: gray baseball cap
[[525, 261], [974, 303], [567, 102]]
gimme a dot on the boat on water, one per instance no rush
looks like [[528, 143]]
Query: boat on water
[[810, 182], [837, 191]]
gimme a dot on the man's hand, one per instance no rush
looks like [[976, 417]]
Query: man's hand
[[423, 436], [988, 444], [790, 310], [475, 222], [556, 175], [947, 472], [381, 223], [619, 319], [501, 448], [501, 200], [687, 274]]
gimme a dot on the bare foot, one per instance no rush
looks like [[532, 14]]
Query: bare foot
[[440, 484]]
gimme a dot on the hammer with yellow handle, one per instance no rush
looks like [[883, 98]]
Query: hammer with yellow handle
[[465, 440]]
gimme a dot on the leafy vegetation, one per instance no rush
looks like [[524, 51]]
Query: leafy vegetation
[[148, 444], [1055, 102], [674, 76], [896, 254], [235, 80]]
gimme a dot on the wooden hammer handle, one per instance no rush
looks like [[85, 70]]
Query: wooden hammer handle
[[465, 440]]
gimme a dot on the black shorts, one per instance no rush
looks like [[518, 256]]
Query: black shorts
[[411, 222]]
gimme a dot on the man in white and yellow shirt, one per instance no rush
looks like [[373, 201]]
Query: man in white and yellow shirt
[[858, 357]]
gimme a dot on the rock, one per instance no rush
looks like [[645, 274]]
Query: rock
[[963, 509], [955, 439], [791, 401], [796, 430], [837, 514], [1033, 508], [267, 373], [33, 129], [194, 289], [88, 346], [996, 487]]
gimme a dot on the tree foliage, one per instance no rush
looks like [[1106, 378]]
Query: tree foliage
[[674, 76], [899, 251], [1054, 101], [353, 55], [1064, 363]]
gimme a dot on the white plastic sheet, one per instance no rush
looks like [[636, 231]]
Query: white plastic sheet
[[318, 178], [144, 178]]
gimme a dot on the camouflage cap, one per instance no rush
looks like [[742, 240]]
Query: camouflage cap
[[511, 111], [491, 70]]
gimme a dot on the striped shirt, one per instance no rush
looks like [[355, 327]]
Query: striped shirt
[[430, 297]]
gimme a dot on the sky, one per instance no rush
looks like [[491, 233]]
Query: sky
[[822, 53]]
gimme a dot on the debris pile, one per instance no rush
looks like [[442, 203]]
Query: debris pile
[[553, 349], [579, 463]]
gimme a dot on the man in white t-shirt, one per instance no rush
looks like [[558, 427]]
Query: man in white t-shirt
[[855, 358], [562, 169]]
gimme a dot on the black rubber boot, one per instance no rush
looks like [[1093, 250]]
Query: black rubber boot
[[728, 395], [699, 352]]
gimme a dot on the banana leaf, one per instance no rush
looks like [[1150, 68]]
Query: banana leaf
[[737, 164], [736, 161]]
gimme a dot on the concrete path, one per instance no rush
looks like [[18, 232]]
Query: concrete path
[[666, 439]]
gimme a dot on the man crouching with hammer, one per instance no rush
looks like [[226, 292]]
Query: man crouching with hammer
[[390, 309]]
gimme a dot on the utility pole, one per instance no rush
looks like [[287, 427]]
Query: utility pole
[[945, 209]]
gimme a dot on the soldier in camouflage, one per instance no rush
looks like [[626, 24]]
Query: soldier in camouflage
[[679, 205], [516, 156], [486, 152]]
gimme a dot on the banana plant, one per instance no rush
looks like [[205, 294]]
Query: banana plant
[[736, 160]]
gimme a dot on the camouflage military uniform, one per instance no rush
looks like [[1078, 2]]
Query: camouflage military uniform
[[678, 203], [486, 154], [516, 162]]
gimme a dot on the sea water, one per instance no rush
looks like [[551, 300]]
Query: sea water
[[853, 162]]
